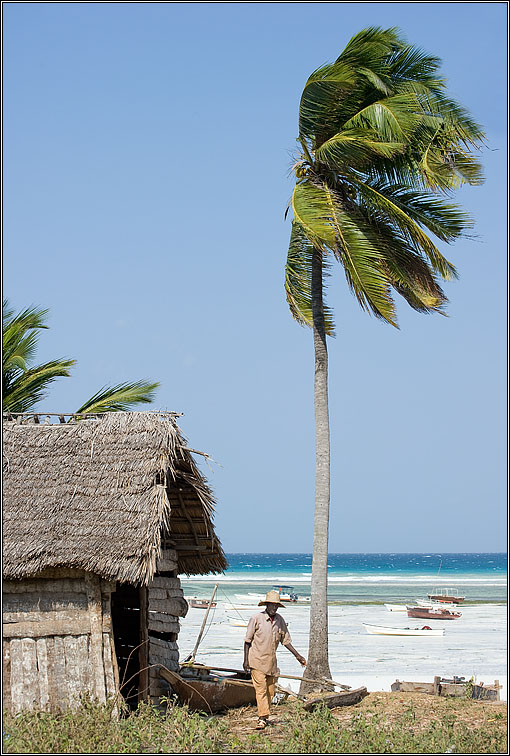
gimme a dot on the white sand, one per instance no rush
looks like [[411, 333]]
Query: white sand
[[473, 646]]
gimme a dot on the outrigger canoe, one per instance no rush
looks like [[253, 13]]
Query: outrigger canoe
[[379, 630], [202, 690], [332, 700]]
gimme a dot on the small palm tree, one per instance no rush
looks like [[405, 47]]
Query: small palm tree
[[379, 142], [23, 385]]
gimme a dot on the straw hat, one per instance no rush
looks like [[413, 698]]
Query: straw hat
[[272, 597]]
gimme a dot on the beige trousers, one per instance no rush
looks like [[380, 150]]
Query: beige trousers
[[264, 690]]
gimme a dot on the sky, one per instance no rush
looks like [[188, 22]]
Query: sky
[[147, 156]]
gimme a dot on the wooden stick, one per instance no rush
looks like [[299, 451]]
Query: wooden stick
[[203, 623], [287, 677]]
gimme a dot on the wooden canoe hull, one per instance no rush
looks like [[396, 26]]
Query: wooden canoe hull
[[420, 612], [443, 688], [332, 700], [201, 693]]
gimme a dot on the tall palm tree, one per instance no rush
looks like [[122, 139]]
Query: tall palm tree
[[380, 141], [23, 385]]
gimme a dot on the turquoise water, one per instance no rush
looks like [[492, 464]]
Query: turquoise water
[[362, 578]]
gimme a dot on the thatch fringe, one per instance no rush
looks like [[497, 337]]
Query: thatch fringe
[[100, 493]]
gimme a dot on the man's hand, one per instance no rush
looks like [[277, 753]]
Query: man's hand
[[246, 667]]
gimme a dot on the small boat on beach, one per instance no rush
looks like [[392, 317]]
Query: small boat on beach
[[237, 621], [443, 686], [425, 631], [332, 700], [244, 608], [286, 592], [197, 603], [396, 607], [446, 596], [434, 612], [203, 690]]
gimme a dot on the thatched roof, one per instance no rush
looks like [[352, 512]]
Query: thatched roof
[[102, 494]]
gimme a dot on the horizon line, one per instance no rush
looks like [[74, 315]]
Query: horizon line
[[387, 553]]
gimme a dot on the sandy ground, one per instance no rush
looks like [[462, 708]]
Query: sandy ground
[[391, 706]]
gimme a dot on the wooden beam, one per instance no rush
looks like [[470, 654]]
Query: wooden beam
[[93, 584], [143, 651], [43, 628], [187, 515]]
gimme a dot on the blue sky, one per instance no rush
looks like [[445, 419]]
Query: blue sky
[[147, 154]]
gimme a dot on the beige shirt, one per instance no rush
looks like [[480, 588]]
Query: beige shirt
[[265, 635]]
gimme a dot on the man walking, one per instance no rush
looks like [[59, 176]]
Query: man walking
[[266, 630]]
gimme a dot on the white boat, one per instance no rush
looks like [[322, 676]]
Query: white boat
[[244, 608], [396, 607], [378, 630], [286, 592], [237, 621], [428, 604]]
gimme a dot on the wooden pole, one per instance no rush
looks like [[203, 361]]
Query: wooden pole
[[143, 651], [286, 677], [203, 624]]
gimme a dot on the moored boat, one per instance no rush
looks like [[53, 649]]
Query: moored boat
[[286, 592], [238, 621], [202, 690], [332, 700], [396, 607], [424, 631], [435, 612], [197, 603], [446, 596]]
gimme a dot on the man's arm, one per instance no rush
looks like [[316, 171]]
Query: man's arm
[[301, 659], [250, 632], [246, 665]]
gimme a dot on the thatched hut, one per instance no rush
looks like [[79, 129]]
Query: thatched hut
[[100, 516]]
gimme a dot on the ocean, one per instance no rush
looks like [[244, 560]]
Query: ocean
[[358, 587]]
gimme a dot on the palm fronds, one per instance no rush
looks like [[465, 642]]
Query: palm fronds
[[24, 385], [298, 280], [119, 398], [381, 140]]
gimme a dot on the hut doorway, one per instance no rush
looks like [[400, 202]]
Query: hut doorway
[[128, 619]]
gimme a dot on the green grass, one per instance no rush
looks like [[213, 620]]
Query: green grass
[[92, 729]]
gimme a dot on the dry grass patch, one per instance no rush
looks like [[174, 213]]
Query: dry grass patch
[[380, 723]]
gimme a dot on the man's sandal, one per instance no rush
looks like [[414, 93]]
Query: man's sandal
[[262, 724]]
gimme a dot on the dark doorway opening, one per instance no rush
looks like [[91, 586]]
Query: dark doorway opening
[[127, 638]]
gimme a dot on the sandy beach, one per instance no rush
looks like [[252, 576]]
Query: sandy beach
[[473, 646]]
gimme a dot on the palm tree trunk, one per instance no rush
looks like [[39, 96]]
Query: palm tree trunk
[[318, 663]]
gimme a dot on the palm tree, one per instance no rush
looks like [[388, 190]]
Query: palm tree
[[23, 385], [379, 142]]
